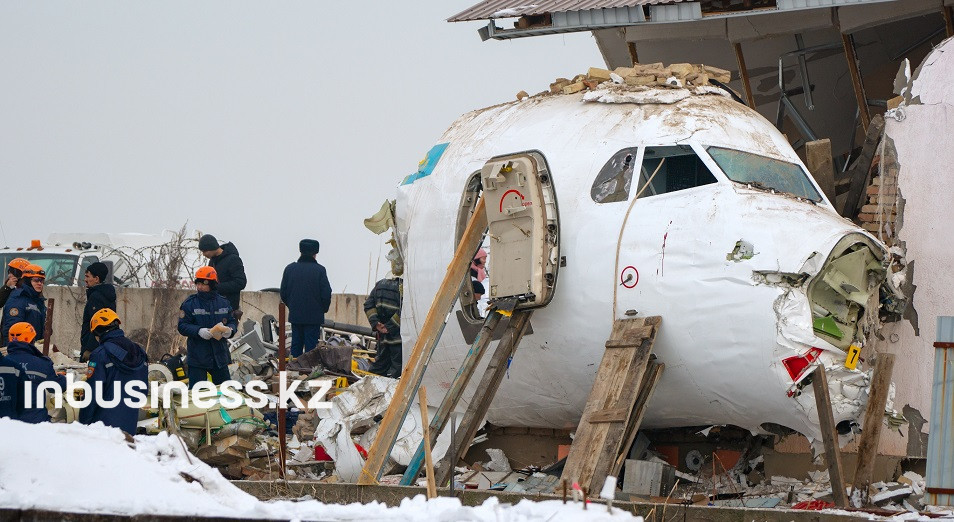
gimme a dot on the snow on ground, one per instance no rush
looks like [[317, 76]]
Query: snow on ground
[[92, 469]]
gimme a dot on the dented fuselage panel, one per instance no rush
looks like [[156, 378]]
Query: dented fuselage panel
[[717, 228]]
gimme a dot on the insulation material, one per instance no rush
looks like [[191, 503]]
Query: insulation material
[[729, 321]]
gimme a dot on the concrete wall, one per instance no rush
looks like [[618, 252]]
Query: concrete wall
[[153, 310]]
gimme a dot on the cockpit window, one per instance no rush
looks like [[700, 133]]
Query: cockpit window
[[763, 172], [668, 169], [613, 182]]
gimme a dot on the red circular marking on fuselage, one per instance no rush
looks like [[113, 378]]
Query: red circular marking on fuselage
[[634, 282], [515, 191]]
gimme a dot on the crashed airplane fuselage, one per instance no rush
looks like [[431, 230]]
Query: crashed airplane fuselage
[[685, 205]]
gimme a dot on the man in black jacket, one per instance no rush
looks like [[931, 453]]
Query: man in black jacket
[[307, 293], [99, 294], [229, 267]]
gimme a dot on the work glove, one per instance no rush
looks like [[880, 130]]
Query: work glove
[[227, 332], [205, 333]]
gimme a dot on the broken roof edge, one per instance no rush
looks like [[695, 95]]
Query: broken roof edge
[[580, 20]]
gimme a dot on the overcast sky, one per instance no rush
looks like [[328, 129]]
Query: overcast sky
[[259, 122]]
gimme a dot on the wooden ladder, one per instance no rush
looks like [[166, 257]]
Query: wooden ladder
[[614, 411]]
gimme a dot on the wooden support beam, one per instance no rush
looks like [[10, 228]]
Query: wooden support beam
[[428, 462], [427, 338], [860, 172], [48, 326], [633, 55], [744, 75], [646, 389], [874, 419], [453, 395], [859, 87], [281, 413], [830, 437], [819, 161], [616, 389], [486, 390], [948, 12]]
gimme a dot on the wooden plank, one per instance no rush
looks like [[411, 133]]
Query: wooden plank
[[860, 97], [596, 445], [427, 338], [744, 75], [646, 389], [860, 173], [633, 338], [453, 395], [48, 326], [426, 440], [819, 162], [830, 437], [871, 434], [486, 390], [610, 415]]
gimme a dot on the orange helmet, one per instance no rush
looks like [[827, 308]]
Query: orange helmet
[[18, 263], [103, 317], [207, 273], [22, 332], [32, 271]]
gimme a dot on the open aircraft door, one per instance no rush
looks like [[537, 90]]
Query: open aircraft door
[[523, 229]]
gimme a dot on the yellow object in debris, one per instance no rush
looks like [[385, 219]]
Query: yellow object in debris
[[851, 362], [505, 313], [341, 382]]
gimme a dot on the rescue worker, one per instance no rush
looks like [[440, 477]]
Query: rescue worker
[[26, 303], [100, 294], [34, 367], [9, 388], [307, 293], [115, 362], [383, 308], [14, 274], [206, 319], [229, 267]]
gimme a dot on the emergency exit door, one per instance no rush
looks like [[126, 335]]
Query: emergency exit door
[[523, 228]]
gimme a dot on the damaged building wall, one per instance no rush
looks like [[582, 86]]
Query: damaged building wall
[[920, 132]]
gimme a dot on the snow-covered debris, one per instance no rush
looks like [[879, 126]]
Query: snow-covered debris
[[73, 468]]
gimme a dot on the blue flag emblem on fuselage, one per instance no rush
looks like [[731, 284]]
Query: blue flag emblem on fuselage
[[426, 166]]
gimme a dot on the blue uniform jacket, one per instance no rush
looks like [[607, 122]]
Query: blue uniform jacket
[[306, 291], [24, 305], [35, 368], [204, 310], [115, 362], [9, 388], [98, 297]]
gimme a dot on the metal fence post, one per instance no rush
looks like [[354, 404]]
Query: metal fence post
[[940, 456]]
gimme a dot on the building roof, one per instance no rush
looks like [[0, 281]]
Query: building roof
[[490, 9]]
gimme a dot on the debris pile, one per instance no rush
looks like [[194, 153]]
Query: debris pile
[[674, 76]]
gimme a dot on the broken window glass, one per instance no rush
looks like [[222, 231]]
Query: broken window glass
[[612, 183], [765, 173], [668, 169]]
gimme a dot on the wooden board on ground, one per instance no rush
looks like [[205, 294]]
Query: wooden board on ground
[[617, 387]]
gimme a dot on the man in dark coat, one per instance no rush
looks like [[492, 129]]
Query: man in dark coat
[[206, 319], [34, 367], [100, 294], [307, 293], [229, 267], [383, 308], [26, 303], [115, 362]]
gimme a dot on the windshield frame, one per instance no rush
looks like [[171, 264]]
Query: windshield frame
[[818, 198], [46, 260]]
